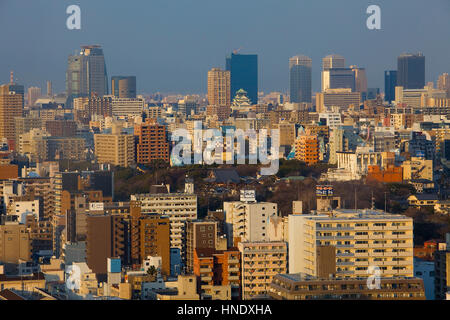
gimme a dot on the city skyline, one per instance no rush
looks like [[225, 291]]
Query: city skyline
[[224, 150], [157, 69]]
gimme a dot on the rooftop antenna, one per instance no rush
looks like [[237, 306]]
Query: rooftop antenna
[[11, 77], [237, 50]]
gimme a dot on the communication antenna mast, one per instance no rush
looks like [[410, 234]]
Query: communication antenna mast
[[236, 51]]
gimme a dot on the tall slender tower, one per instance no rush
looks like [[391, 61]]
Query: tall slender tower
[[49, 89], [11, 106], [300, 79], [390, 82], [219, 87], [86, 74]]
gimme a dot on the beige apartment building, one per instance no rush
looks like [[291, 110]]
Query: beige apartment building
[[219, 87], [34, 144], [417, 168], [426, 97], [116, 149], [25, 124], [354, 239], [15, 243], [179, 207], [287, 133], [304, 287], [260, 262]]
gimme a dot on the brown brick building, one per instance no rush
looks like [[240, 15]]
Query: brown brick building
[[61, 128], [152, 142]]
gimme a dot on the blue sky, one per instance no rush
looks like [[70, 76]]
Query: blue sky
[[171, 44]]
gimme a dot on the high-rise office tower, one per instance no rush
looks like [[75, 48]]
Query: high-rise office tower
[[244, 74], [300, 78], [33, 94], [86, 74], [411, 71], [338, 78], [123, 87], [219, 86], [390, 82], [11, 106], [333, 61], [335, 75], [444, 83], [360, 79]]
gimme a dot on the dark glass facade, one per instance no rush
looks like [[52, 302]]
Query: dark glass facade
[[411, 71], [244, 74], [390, 82], [300, 83]]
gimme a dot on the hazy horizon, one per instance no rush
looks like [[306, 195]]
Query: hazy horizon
[[170, 45]]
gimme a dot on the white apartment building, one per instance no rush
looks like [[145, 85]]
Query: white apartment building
[[360, 238], [333, 119], [358, 162], [248, 220], [22, 207], [123, 107]]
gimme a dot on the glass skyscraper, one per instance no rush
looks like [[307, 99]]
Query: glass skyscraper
[[244, 74], [300, 79], [411, 71], [86, 74], [390, 82]]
